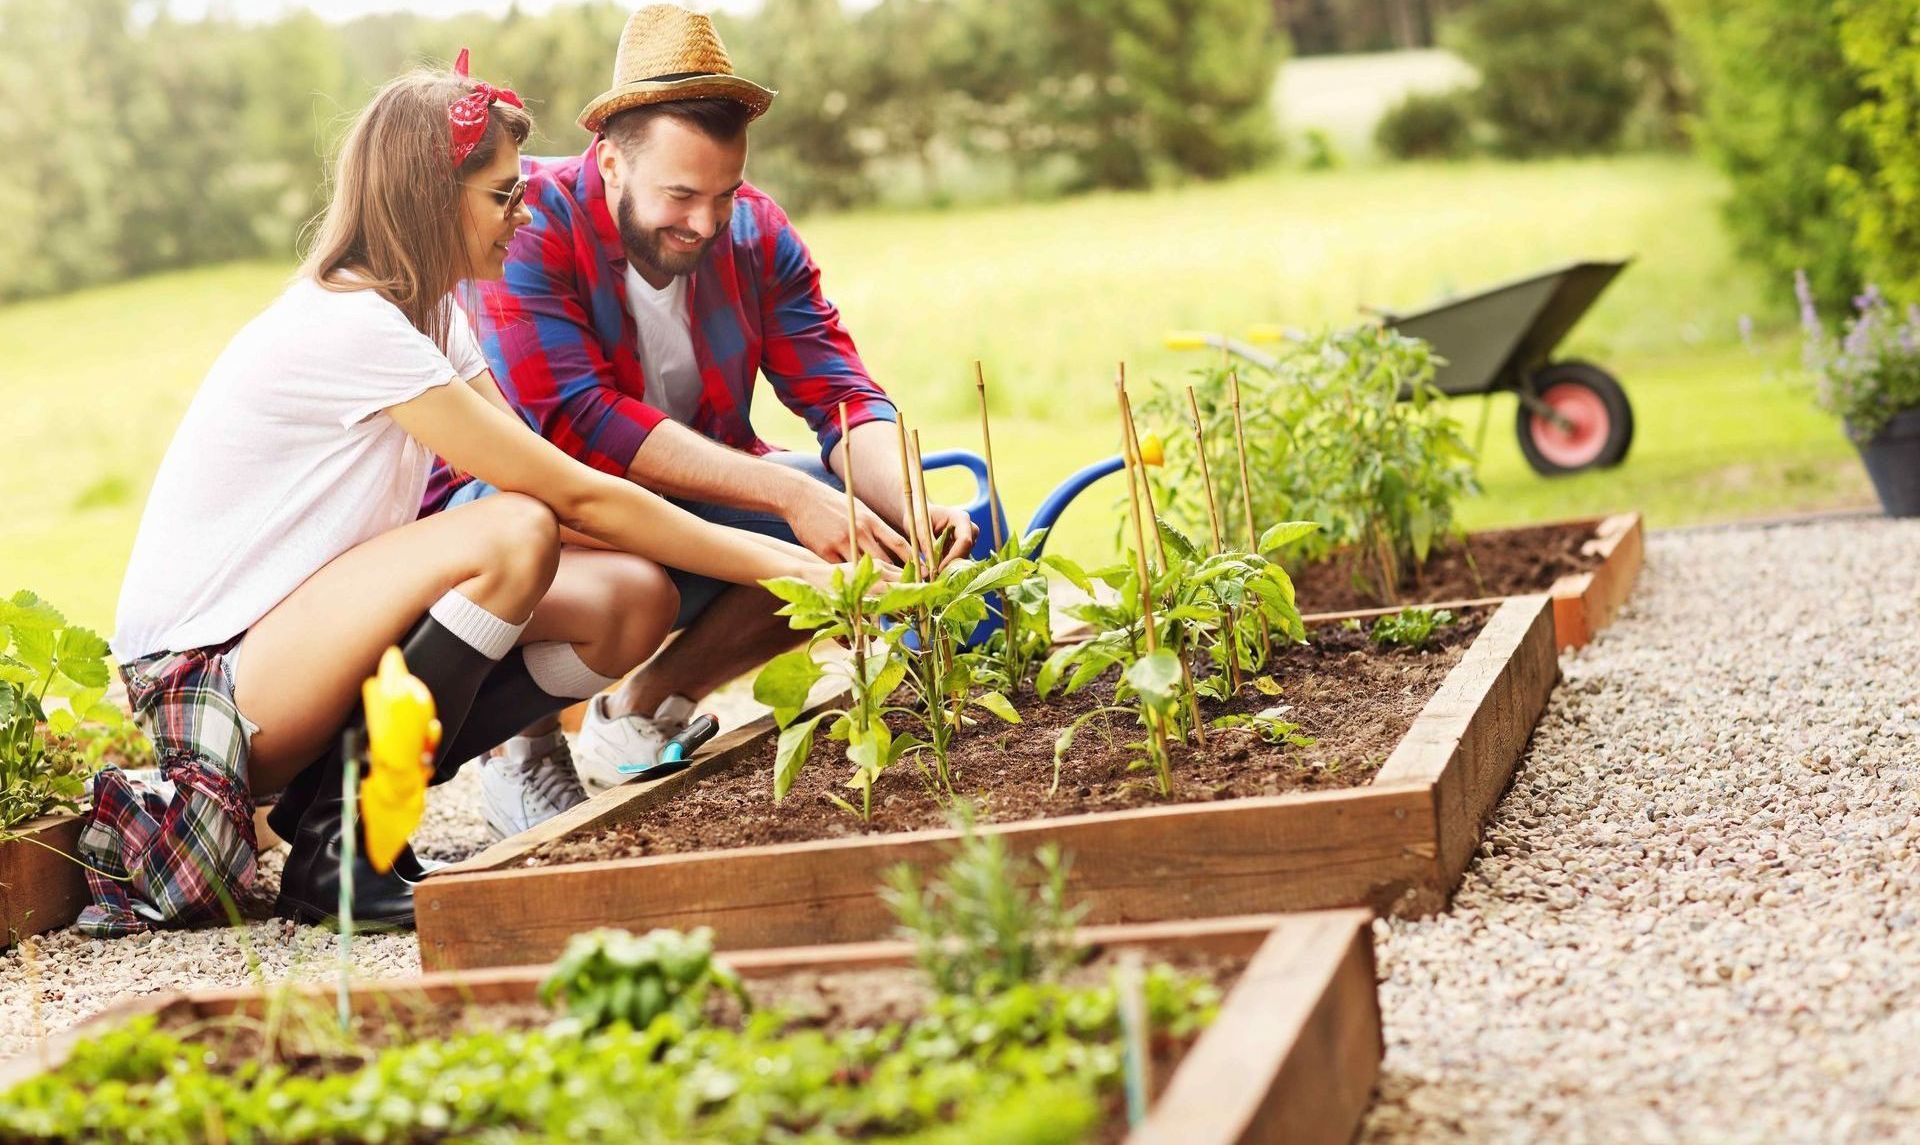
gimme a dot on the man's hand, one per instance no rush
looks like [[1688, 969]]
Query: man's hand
[[818, 514], [954, 520]]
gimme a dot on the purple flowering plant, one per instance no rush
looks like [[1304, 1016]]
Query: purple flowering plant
[[1870, 370]]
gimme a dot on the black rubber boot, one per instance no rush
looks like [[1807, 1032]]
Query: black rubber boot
[[284, 817], [508, 703], [453, 671]]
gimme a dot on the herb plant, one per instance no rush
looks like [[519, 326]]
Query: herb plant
[[1349, 432], [1409, 628], [977, 928], [45, 748], [609, 976], [1871, 370]]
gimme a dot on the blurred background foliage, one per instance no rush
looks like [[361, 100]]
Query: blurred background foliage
[[1046, 185]]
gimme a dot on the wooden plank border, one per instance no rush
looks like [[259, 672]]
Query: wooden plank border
[[42, 885], [1293, 1055], [1583, 603], [1399, 844]]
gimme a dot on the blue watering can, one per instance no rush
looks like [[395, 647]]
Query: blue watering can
[[1043, 517]]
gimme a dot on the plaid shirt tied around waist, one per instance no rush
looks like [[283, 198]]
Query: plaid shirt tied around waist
[[560, 340]]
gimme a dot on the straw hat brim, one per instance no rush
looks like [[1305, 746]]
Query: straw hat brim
[[611, 103]]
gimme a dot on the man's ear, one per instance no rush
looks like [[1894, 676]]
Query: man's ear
[[607, 158]]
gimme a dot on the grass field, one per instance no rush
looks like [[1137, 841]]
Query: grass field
[[1050, 296]]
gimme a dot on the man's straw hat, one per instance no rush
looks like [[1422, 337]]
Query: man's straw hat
[[668, 53]]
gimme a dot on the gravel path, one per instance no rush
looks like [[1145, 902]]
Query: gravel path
[[1697, 916]]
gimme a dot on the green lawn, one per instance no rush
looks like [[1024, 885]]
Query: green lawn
[[1051, 296]]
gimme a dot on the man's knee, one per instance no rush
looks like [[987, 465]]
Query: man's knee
[[520, 540]]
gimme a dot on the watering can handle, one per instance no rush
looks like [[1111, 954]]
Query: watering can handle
[[977, 508]]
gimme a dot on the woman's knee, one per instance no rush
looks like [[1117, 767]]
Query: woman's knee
[[520, 545], [641, 601]]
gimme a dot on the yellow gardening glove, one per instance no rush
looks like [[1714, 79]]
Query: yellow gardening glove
[[402, 735]]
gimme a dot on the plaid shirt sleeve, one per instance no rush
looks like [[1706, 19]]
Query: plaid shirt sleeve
[[808, 356], [539, 339]]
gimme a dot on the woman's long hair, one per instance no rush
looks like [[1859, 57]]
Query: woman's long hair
[[392, 223]]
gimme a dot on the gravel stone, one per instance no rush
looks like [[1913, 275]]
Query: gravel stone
[[1693, 918]]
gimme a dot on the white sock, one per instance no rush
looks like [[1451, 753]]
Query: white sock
[[559, 670], [486, 633]]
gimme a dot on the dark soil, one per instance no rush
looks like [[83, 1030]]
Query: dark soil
[[1508, 562], [1357, 701]]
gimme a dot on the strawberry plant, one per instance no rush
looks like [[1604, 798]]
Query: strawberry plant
[[1409, 628], [53, 707], [609, 976]]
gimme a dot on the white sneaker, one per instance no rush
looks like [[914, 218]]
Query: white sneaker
[[606, 743], [530, 781]]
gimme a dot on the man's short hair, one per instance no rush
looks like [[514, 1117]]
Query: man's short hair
[[719, 119]]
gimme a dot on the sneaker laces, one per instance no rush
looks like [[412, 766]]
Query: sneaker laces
[[547, 770]]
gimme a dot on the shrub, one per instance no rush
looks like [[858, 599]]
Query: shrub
[[1880, 42], [1427, 125], [44, 749], [1567, 76], [1773, 83]]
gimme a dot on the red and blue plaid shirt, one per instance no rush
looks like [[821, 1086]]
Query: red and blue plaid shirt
[[562, 344]]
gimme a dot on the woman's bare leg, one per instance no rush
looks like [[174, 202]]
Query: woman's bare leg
[[303, 662]]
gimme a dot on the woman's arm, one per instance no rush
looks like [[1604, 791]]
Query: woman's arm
[[476, 436]]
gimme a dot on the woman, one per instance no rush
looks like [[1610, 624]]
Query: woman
[[279, 552]]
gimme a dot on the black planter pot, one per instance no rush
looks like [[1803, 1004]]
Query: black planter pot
[[1892, 457]]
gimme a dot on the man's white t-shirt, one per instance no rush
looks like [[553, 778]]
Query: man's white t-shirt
[[285, 459], [663, 322]]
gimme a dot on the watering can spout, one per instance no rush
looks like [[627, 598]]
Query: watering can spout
[[1057, 501]]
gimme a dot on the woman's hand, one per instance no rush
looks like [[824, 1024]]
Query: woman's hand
[[819, 574]]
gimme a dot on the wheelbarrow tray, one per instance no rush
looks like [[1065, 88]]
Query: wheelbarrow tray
[[1492, 339], [1399, 843], [1292, 1055]]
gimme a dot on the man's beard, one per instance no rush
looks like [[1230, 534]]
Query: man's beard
[[649, 248]]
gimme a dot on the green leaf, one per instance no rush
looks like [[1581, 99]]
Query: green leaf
[[1076, 576], [793, 590], [26, 611], [887, 671], [13, 671], [1156, 675], [784, 683], [1178, 543], [796, 743], [34, 647], [1266, 685], [1285, 533], [906, 597], [82, 657], [1420, 525], [868, 748], [999, 705]]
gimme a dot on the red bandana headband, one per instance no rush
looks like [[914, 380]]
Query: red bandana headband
[[467, 116]]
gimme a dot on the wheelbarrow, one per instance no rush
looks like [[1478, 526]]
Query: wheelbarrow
[[1573, 415]]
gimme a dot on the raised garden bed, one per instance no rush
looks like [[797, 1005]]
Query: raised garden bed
[[1396, 839], [1587, 565], [1292, 1055], [42, 886]]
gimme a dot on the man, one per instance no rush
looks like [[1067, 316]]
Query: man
[[651, 287]]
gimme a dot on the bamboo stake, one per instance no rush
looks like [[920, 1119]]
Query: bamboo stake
[[1206, 475], [1246, 502], [906, 499], [1160, 542], [1146, 489], [1213, 519], [1132, 464], [1008, 622], [932, 641], [853, 534]]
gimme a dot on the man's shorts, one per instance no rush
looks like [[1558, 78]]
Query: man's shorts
[[697, 592]]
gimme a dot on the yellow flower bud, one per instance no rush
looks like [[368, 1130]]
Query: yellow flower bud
[[1152, 452], [402, 735]]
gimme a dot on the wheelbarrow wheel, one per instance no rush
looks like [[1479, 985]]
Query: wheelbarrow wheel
[[1599, 420]]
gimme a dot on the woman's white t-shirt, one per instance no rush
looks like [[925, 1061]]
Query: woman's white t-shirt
[[286, 459]]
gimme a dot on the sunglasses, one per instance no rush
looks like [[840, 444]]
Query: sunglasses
[[512, 197]]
